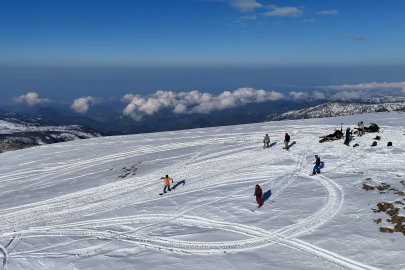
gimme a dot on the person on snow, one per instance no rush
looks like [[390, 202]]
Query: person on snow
[[286, 141], [167, 183], [347, 136], [317, 167], [266, 141], [258, 194], [360, 129]]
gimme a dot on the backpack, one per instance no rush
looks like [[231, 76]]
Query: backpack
[[389, 144], [374, 144]]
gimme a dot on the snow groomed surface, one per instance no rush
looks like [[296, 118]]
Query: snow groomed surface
[[75, 205]]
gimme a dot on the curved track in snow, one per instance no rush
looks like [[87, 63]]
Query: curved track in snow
[[56, 216]]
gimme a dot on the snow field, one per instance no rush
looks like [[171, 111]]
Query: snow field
[[63, 206]]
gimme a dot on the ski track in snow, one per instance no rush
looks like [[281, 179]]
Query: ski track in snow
[[56, 216]]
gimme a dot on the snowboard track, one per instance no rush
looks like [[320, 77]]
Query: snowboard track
[[30, 221]]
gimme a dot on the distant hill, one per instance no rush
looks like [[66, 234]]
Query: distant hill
[[342, 108], [17, 132]]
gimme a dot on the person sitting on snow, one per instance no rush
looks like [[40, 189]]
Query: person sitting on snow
[[317, 167], [258, 194], [266, 141]]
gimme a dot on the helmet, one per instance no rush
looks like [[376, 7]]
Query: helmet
[[267, 135], [316, 155], [286, 133], [167, 176]]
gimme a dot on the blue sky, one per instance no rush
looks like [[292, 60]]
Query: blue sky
[[67, 49], [194, 33]]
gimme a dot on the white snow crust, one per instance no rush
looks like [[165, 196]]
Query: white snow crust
[[95, 203]]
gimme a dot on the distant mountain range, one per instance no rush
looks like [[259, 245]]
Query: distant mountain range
[[109, 120], [341, 108]]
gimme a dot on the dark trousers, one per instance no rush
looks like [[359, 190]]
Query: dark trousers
[[168, 188]]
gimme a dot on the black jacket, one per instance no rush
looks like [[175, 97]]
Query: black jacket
[[318, 161], [287, 138]]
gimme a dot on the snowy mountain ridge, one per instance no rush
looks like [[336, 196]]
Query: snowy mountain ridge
[[342, 108], [27, 132]]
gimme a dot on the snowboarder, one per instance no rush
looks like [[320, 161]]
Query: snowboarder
[[360, 131], [317, 167], [258, 194], [167, 183], [286, 141], [347, 136], [266, 141]]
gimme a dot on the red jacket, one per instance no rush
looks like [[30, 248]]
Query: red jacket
[[258, 192]]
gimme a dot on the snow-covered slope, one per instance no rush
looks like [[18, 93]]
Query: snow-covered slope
[[14, 136], [95, 204], [342, 108]]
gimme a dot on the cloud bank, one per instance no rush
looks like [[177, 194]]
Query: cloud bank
[[31, 99], [328, 12], [82, 105], [365, 90], [283, 11], [194, 101]]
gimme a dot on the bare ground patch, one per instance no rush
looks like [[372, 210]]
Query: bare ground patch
[[397, 221]]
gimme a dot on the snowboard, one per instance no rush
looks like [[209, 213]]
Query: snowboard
[[257, 207]]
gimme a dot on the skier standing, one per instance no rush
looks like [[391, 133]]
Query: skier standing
[[266, 141], [258, 194], [286, 141], [361, 128], [347, 136], [317, 167], [167, 183]]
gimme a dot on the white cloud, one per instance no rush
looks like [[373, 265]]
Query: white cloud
[[31, 99], [318, 95], [180, 108], [365, 90], [82, 105], [328, 12], [283, 11], [367, 86], [360, 38], [299, 95], [242, 5], [249, 18], [349, 95], [245, 5], [194, 101]]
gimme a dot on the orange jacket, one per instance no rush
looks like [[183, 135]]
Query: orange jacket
[[167, 180]]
